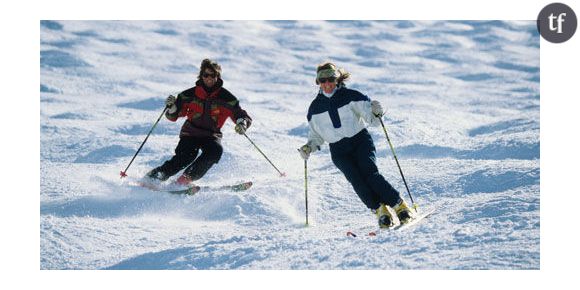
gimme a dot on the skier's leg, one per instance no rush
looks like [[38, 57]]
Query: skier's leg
[[347, 165], [366, 163], [185, 153], [211, 153]]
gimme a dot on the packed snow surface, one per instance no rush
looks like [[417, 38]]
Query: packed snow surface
[[463, 109]]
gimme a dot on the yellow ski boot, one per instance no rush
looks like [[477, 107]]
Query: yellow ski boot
[[384, 217], [403, 212]]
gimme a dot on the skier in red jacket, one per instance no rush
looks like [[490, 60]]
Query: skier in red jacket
[[206, 107]]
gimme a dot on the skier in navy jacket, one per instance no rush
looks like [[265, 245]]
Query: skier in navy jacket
[[339, 116]]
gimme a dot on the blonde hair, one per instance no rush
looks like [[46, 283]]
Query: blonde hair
[[343, 75]]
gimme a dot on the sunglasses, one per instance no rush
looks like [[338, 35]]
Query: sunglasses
[[206, 75], [324, 80]]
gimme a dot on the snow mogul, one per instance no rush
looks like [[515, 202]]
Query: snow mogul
[[339, 115], [206, 107]]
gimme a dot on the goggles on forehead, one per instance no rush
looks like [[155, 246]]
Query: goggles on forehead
[[327, 73]]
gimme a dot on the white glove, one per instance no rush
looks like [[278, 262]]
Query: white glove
[[242, 125], [376, 108], [305, 151], [170, 104]]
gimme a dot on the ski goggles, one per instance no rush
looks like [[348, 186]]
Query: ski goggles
[[324, 80]]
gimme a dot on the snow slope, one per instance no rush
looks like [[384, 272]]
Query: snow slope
[[462, 101]]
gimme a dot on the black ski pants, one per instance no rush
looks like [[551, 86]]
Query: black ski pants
[[186, 155], [355, 157]]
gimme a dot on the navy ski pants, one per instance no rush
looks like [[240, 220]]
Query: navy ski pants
[[355, 157], [186, 155]]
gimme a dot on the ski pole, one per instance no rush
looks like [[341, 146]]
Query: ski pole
[[306, 187], [124, 172], [281, 173], [397, 160]]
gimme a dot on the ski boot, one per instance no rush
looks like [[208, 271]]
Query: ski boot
[[152, 180], [384, 216], [403, 212], [156, 175], [184, 180]]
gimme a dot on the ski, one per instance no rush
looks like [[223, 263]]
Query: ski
[[417, 219], [186, 191], [195, 189], [407, 225]]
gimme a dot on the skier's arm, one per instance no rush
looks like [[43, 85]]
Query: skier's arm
[[313, 144], [241, 118], [314, 139], [238, 115], [172, 116], [364, 110]]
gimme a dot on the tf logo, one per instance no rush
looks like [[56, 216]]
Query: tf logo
[[557, 22]]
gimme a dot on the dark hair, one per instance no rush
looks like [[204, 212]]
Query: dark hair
[[343, 74], [210, 64]]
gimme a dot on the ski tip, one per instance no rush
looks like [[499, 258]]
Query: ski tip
[[193, 190], [372, 234], [350, 234], [245, 186]]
